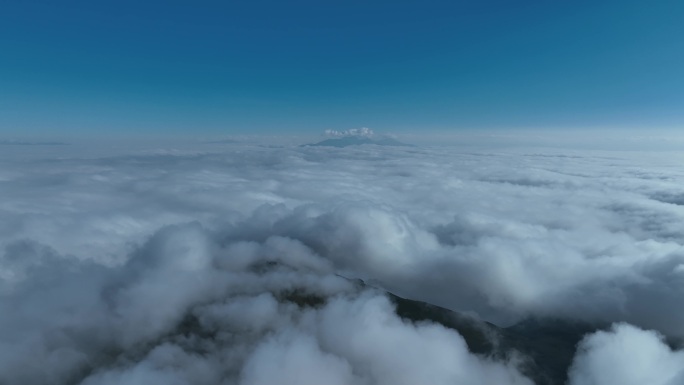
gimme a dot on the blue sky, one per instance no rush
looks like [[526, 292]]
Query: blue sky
[[222, 67]]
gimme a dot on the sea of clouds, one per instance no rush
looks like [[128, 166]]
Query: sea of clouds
[[190, 266]]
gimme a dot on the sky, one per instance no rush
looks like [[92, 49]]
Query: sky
[[236, 67]]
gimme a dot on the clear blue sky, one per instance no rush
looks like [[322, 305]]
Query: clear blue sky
[[304, 66]]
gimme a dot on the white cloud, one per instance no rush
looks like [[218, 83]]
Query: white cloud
[[363, 131], [629, 356], [190, 309], [102, 258]]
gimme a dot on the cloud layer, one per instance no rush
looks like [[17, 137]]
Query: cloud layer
[[187, 308], [194, 267]]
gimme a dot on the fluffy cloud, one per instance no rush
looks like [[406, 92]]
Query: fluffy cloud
[[627, 355], [363, 131], [204, 267], [187, 308]]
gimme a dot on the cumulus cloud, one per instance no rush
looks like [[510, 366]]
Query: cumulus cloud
[[187, 266], [627, 355], [187, 308], [363, 131]]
